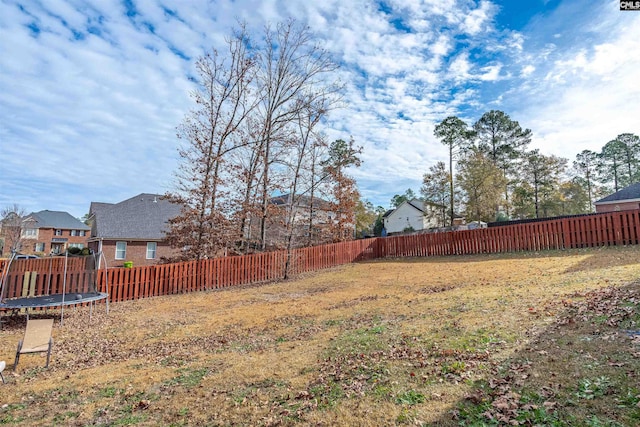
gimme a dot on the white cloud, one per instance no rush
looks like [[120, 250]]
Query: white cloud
[[527, 70], [479, 19], [589, 96], [460, 67], [108, 104], [490, 73]]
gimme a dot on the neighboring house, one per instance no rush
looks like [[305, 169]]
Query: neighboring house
[[416, 215], [411, 215], [301, 210], [52, 232], [626, 199], [132, 230]]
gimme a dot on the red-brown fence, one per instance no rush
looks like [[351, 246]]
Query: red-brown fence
[[45, 276], [141, 282], [608, 229]]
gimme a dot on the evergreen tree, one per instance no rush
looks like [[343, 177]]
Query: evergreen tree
[[504, 141], [453, 133]]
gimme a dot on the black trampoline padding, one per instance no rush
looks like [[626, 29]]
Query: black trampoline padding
[[56, 300]]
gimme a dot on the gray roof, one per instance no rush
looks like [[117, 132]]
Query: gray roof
[[301, 200], [627, 193], [420, 206], [143, 217], [56, 219]]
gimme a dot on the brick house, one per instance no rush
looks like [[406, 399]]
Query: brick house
[[300, 209], [50, 232], [132, 230], [626, 199]]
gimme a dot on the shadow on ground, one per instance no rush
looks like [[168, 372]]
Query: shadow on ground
[[581, 371]]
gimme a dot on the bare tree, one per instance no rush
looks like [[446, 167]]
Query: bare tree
[[11, 229], [293, 69], [211, 131], [246, 177], [258, 107]]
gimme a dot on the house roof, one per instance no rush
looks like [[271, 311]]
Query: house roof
[[55, 219], [420, 206], [631, 192], [301, 200], [143, 217], [415, 203]]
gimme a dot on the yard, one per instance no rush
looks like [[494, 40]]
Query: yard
[[531, 338]]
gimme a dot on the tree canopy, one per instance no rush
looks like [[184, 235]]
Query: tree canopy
[[492, 174]]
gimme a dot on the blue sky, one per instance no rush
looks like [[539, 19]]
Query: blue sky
[[92, 91]]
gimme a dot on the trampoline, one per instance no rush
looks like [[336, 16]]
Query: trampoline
[[51, 282], [48, 301]]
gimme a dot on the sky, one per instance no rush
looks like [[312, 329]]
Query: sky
[[91, 92]]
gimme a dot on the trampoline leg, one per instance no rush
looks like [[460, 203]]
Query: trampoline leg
[[49, 351], [15, 365]]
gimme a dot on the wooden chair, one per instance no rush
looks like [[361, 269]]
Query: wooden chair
[[37, 339]]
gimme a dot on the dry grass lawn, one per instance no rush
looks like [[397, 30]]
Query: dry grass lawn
[[535, 339]]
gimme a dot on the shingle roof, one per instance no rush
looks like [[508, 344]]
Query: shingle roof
[[301, 200], [143, 217], [627, 193], [56, 219], [418, 204]]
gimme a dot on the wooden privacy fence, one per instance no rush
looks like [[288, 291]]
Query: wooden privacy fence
[[141, 282], [44, 265], [608, 229], [46, 276]]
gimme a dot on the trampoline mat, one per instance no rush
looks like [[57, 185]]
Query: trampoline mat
[[56, 300]]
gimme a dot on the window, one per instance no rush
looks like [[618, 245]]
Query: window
[[30, 232], [76, 245], [39, 247], [58, 232], [151, 250], [77, 232], [121, 250], [81, 233]]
